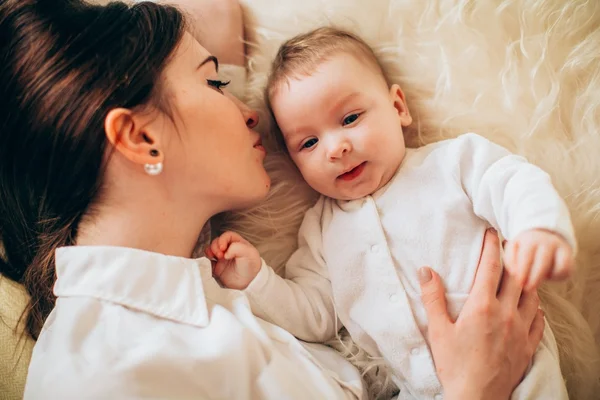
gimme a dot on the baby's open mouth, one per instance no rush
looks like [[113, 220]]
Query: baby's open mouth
[[353, 173]]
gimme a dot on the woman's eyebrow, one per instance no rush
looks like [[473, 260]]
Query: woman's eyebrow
[[209, 59]]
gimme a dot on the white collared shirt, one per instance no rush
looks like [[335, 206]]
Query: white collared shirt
[[131, 324], [357, 261]]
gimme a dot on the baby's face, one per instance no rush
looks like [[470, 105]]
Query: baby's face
[[343, 127]]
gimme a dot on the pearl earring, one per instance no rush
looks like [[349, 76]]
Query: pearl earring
[[153, 169]]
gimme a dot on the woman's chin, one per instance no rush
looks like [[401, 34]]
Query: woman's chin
[[263, 188], [256, 194]]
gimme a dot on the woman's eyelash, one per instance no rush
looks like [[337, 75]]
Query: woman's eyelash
[[217, 84]]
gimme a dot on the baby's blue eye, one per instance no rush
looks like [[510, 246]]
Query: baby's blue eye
[[350, 119], [309, 143]]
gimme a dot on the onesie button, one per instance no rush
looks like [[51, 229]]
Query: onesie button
[[394, 298], [374, 248], [414, 351]]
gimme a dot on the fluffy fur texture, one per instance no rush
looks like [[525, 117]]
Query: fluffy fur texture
[[524, 73]]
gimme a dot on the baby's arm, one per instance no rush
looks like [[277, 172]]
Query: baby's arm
[[518, 199], [303, 302]]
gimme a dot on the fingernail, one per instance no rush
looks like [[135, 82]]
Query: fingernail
[[424, 275], [492, 230]]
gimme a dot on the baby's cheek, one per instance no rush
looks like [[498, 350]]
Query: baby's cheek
[[316, 178], [304, 166], [311, 176], [374, 139]]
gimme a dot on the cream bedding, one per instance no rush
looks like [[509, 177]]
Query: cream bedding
[[524, 73]]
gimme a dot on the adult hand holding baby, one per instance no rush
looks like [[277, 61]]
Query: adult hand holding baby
[[235, 261], [512, 323]]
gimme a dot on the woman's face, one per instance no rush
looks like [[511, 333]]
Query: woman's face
[[211, 152]]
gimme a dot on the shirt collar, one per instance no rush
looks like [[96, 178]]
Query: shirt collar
[[164, 286]]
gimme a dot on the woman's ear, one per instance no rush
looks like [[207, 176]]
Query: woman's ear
[[397, 97], [130, 136]]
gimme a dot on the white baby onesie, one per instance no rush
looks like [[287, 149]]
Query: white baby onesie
[[357, 261]]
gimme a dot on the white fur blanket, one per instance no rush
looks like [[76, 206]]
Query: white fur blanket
[[524, 73]]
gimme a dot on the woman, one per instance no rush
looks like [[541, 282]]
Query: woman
[[117, 144]]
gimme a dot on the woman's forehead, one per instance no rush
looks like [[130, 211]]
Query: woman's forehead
[[190, 54]]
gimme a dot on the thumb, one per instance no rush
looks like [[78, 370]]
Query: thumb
[[433, 297], [219, 267]]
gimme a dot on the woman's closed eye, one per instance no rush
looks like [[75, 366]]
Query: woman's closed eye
[[217, 84], [350, 119]]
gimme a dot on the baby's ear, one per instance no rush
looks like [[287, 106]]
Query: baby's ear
[[397, 97]]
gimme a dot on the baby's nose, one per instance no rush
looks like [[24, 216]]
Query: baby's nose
[[339, 148]]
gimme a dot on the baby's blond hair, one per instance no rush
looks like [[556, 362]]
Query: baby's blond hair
[[302, 54]]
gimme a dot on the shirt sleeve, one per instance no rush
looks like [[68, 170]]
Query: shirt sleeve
[[302, 303], [508, 192]]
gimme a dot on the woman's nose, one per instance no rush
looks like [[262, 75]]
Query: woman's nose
[[251, 117]]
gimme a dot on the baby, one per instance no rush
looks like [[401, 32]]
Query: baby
[[385, 211]]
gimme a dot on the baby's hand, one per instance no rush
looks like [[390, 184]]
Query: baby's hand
[[238, 262], [536, 255]]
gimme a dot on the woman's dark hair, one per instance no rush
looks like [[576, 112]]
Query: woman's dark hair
[[63, 65]]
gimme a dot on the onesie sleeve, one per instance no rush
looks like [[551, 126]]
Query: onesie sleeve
[[512, 194], [302, 302]]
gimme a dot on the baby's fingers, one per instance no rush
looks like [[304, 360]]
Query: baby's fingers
[[215, 248], [540, 267], [208, 252], [218, 268], [236, 250], [229, 237], [564, 263]]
